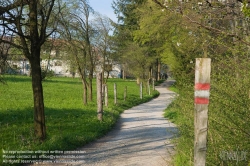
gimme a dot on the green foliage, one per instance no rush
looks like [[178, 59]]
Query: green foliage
[[47, 74], [245, 9], [151, 27], [229, 110], [228, 129], [174, 88], [182, 32], [64, 111], [1, 79], [157, 83], [180, 112], [138, 60], [136, 42]]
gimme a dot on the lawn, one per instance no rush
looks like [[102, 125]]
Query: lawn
[[69, 123]]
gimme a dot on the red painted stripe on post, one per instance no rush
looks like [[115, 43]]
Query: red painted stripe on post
[[199, 100], [202, 86]]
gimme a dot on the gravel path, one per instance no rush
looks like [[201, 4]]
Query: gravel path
[[141, 137]]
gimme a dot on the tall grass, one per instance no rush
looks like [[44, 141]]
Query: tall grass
[[69, 123], [229, 116]]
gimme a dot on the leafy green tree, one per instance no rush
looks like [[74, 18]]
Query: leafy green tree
[[134, 45], [218, 30]]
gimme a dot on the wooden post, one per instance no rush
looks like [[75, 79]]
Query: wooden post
[[115, 94], [141, 91], [125, 93], [202, 87], [106, 95], [99, 96]]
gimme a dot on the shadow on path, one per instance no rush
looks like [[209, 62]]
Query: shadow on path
[[141, 136]]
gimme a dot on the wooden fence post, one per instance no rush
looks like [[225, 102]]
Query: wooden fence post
[[141, 91], [125, 93], [99, 96], [202, 87], [115, 94]]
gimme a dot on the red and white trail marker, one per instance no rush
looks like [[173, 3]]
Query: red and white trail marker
[[201, 101], [202, 93]]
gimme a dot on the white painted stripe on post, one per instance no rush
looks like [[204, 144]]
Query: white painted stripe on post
[[202, 93]]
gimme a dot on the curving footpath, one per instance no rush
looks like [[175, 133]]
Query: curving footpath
[[141, 136]]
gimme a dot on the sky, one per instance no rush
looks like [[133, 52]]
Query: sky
[[103, 7]]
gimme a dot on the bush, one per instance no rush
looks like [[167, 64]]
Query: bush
[[47, 74]]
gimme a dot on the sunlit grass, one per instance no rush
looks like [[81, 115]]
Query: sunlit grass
[[174, 88], [69, 123]]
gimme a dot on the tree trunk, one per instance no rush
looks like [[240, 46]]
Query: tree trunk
[[141, 90], [39, 116], [153, 84], [123, 74], [158, 70], [138, 81], [83, 78], [84, 84], [99, 96], [115, 94], [149, 92], [106, 95], [90, 89], [149, 74], [84, 93], [92, 65], [107, 77]]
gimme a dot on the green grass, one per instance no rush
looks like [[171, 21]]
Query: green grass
[[174, 88], [157, 83], [180, 112], [225, 134], [69, 123]]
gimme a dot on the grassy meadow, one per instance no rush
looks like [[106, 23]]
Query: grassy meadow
[[69, 123]]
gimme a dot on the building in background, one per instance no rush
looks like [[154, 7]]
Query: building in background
[[53, 60]]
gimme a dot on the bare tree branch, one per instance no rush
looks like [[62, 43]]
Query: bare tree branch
[[218, 31], [12, 6], [45, 21], [11, 43]]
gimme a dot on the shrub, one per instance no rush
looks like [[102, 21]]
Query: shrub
[[47, 74]]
